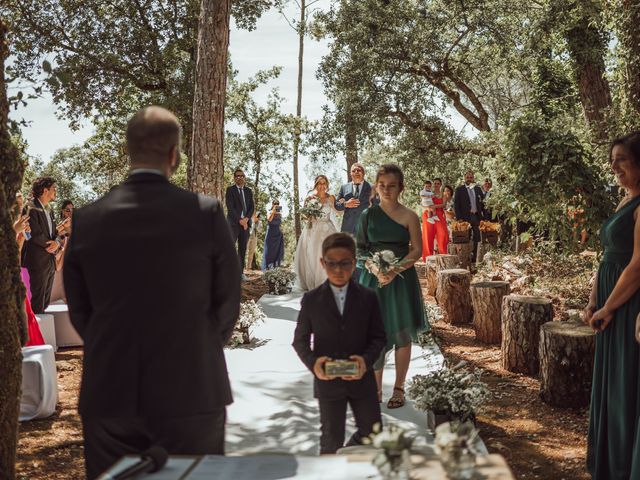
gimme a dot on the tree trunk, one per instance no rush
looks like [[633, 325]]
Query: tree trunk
[[522, 317], [302, 27], [351, 146], [432, 275], [566, 363], [463, 252], [487, 309], [453, 295], [12, 292], [629, 38], [206, 169]]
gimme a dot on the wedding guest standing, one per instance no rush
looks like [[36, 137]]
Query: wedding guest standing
[[240, 208], [152, 279], [469, 206], [437, 230], [613, 449], [392, 226], [64, 231], [38, 254], [273, 240], [353, 198]]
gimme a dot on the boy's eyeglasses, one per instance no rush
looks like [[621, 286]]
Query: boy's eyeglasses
[[344, 265]]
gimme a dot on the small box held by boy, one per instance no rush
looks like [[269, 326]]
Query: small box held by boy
[[348, 336]]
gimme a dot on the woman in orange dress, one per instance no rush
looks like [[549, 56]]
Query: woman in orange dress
[[438, 229]]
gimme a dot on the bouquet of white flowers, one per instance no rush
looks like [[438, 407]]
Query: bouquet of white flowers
[[279, 280], [456, 444], [383, 260], [394, 448], [311, 210], [456, 391]]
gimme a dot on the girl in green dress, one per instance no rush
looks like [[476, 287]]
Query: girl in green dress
[[614, 424], [392, 226]]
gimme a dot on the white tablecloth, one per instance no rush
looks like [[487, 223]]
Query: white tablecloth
[[39, 383], [48, 329], [66, 335]]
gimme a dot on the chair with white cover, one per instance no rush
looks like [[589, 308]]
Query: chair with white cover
[[66, 335], [39, 383], [48, 329]]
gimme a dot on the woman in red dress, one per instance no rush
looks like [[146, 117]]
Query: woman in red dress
[[438, 229]]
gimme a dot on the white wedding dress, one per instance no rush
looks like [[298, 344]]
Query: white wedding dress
[[309, 271]]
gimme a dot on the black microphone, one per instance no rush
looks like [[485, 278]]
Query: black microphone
[[151, 460]]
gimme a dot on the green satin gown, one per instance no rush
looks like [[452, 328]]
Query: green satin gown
[[401, 301], [614, 426]]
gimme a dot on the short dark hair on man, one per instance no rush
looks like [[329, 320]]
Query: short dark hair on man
[[237, 170], [151, 135], [40, 184], [339, 240]]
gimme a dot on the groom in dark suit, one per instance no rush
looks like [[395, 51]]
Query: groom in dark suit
[[353, 198], [240, 207], [469, 206], [149, 275]]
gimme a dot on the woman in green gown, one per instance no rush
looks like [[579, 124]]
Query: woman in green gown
[[392, 226], [614, 424]]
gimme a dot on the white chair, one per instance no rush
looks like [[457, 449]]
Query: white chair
[[57, 291], [48, 329], [66, 335], [39, 383]]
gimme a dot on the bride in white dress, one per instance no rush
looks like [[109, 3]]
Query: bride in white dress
[[309, 271]]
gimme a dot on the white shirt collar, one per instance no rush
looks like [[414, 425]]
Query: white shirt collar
[[135, 171]]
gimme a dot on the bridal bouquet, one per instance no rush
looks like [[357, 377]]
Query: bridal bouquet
[[312, 210], [456, 392], [384, 261]]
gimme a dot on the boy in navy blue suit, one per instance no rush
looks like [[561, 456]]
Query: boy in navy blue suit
[[345, 321]]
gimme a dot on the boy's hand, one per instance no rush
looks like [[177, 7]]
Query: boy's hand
[[362, 368], [318, 368]]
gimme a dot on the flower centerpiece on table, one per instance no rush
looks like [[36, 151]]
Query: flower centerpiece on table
[[279, 280], [394, 449], [250, 315], [454, 392], [311, 210], [384, 261], [456, 443]]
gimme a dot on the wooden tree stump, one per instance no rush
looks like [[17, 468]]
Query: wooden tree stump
[[522, 317], [453, 295], [432, 276], [444, 262], [463, 252], [566, 363], [487, 309]]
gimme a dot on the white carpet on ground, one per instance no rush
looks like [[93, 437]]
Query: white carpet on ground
[[274, 409]]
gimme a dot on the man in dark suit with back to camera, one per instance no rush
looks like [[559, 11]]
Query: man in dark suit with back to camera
[[469, 206], [148, 274], [240, 207]]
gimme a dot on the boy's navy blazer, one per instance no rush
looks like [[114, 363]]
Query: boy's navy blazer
[[358, 331]]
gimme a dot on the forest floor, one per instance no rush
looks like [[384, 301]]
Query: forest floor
[[538, 441]]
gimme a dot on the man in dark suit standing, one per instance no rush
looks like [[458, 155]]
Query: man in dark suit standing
[[240, 207], [353, 198], [149, 275], [346, 323], [38, 254], [469, 206]]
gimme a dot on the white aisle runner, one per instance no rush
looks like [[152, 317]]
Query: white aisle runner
[[274, 409]]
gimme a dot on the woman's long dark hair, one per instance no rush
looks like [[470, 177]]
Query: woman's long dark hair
[[631, 142]]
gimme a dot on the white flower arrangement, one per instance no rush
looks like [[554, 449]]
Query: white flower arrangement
[[250, 315], [311, 210], [279, 280], [394, 449], [456, 391], [456, 444]]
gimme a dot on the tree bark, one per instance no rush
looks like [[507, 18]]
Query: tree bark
[[522, 317], [453, 295], [206, 169], [432, 275], [463, 252], [12, 292], [487, 309], [629, 38], [444, 262], [302, 27], [566, 363], [351, 146]]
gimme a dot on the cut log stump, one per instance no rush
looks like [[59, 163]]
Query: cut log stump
[[487, 309], [432, 276], [453, 295], [522, 317], [444, 262], [566, 363], [463, 252]]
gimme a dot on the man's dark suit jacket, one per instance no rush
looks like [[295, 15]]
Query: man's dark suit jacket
[[359, 331], [462, 203], [148, 275], [352, 215], [34, 255], [233, 200]]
